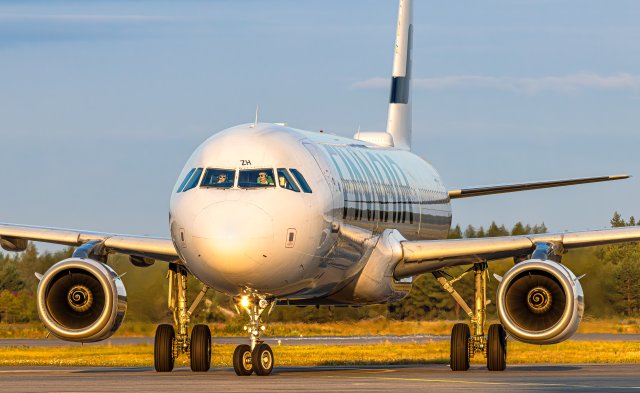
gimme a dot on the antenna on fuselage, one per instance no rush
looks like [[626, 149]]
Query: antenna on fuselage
[[399, 119], [255, 122]]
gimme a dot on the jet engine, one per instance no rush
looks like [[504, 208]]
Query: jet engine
[[540, 302], [81, 300]]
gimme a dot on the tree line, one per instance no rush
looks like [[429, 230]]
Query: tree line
[[611, 285]]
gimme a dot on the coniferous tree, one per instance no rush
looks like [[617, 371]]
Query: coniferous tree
[[519, 229], [455, 233], [617, 221], [470, 232], [493, 230], [542, 228], [10, 278], [623, 261]]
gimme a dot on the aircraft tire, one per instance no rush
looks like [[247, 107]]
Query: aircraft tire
[[262, 359], [496, 348], [200, 348], [242, 364], [460, 334], [163, 348]]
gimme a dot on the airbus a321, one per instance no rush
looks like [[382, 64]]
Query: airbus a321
[[272, 215]]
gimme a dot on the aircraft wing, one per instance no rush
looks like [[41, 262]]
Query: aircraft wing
[[424, 256], [13, 236], [501, 189]]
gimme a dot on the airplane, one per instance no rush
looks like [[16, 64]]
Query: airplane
[[272, 215]]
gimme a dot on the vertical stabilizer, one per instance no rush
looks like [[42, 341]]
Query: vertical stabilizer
[[399, 120]]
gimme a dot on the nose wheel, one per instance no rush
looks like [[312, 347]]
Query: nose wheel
[[242, 363], [262, 359], [257, 357]]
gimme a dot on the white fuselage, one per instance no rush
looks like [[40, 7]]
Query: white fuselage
[[291, 244]]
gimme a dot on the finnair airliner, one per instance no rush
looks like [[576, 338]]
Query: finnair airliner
[[272, 215]]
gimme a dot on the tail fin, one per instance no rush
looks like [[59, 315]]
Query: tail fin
[[399, 120]]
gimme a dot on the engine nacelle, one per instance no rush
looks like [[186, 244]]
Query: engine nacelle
[[81, 300], [540, 302]]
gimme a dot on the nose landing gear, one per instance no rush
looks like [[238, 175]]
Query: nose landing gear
[[258, 356]]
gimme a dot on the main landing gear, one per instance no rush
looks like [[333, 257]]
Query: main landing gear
[[464, 344], [170, 342], [257, 357]]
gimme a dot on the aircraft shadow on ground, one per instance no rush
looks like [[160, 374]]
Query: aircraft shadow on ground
[[346, 368]]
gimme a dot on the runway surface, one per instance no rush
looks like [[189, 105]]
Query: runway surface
[[325, 379], [274, 341]]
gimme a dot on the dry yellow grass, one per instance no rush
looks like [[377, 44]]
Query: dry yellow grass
[[317, 355], [356, 328]]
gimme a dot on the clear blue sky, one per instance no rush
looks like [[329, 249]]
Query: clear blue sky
[[102, 102]]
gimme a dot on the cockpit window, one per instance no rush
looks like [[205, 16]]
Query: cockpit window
[[218, 178], [256, 178], [186, 179], [195, 179], [286, 181], [303, 183]]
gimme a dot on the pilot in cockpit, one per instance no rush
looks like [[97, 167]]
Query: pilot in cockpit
[[283, 181], [264, 179], [222, 178]]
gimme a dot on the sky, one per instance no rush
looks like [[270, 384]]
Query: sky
[[102, 102]]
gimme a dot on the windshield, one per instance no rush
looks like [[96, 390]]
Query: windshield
[[186, 179], [193, 182], [219, 178], [286, 181], [256, 178], [303, 183]]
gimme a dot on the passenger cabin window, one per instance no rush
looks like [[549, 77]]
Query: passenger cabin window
[[303, 183], [186, 179], [286, 181], [195, 179], [218, 178], [256, 178]]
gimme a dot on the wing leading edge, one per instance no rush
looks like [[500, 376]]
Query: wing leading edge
[[502, 189], [143, 246], [424, 256]]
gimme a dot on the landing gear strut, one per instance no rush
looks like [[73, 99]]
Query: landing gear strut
[[468, 340], [257, 357], [173, 340]]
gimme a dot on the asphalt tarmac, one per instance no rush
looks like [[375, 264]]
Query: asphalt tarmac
[[596, 378], [275, 341]]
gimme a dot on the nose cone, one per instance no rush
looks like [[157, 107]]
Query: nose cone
[[235, 238]]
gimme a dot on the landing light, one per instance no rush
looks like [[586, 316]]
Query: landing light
[[244, 301]]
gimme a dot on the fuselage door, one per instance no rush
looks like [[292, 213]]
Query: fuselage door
[[327, 171]]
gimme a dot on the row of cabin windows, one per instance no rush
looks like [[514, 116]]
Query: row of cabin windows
[[289, 179], [363, 187], [398, 211]]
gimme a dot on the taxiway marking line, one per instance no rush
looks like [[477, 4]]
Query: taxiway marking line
[[465, 382]]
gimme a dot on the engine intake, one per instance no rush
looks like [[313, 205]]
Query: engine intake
[[540, 302], [81, 300]]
